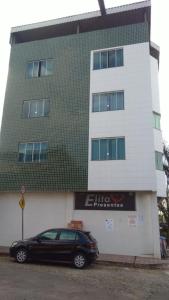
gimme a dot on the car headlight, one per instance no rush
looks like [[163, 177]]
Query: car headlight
[[14, 244]]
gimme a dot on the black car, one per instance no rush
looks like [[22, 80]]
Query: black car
[[76, 246]]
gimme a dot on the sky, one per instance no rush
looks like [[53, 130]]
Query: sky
[[20, 12]]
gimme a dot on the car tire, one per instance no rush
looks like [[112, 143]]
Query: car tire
[[79, 260], [21, 255]]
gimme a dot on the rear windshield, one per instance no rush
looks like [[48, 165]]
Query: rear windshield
[[90, 237]]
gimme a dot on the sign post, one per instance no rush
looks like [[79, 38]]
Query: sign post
[[22, 206]]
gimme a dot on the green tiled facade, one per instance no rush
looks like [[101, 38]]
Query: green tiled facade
[[67, 126]]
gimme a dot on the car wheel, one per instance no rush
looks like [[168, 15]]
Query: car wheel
[[79, 260], [21, 256]]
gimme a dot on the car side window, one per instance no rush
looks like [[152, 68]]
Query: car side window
[[48, 235], [67, 235]]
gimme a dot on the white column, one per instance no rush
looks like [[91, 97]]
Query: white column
[[155, 226], [69, 208]]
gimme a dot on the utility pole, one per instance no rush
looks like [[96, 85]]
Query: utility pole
[[102, 7]]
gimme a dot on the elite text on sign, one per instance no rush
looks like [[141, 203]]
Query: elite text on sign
[[105, 201]]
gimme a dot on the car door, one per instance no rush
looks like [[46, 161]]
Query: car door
[[66, 244], [44, 245]]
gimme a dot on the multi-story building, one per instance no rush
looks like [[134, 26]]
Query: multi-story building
[[81, 129]]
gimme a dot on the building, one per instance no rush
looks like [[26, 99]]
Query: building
[[81, 130]]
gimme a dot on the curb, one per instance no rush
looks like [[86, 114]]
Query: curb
[[2, 254], [119, 264], [131, 265]]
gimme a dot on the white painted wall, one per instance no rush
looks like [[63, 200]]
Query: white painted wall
[[158, 140], [160, 175], [42, 211], [142, 239], [155, 84], [48, 210], [137, 172]]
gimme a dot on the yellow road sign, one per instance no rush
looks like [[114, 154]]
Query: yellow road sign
[[22, 202]]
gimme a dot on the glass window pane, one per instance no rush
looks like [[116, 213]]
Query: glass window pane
[[158, 160], [35, 68], [120, 100], [34, 109], [48, 235], [119, 57], [25, 109], [67, 235], [95, 149], [112, 101], [30, 70], [40, 108], [104, 59], [104, 154], [120, 148], [49, 67], [96, 61], [46, 107], [156, 120], [43, 151], [22, 148], [95, 103], [36, 152], [112, 59], [43, 68], [161, 161], [112, 149], [29, 150], [104, 105]]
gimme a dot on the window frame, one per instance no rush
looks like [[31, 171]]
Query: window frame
[[108, 64], [43, 233], [159, 163], [39, 61], [155, 121], [32, 143], [29, 112], [66, 230], [108, 139], [107, 94]]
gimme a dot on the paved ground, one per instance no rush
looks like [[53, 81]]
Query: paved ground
[[41, 281], [121, 260]]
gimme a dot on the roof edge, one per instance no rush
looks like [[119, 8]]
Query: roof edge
[[155, 51], [83, 16]]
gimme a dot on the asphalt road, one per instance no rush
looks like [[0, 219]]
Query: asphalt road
[[42, 281]]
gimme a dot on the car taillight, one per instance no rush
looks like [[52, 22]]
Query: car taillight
[[92, 245]]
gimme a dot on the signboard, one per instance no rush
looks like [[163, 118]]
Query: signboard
[[105, 201], [22, 202], [109, 224], [132, 220]]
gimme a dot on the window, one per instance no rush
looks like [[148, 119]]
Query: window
[[156, 120], [107, 59], [108, 149], [108, 101], [33, 152], [40, 68], [48, 235], [159, 160], [35, 108], [67, 235]]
